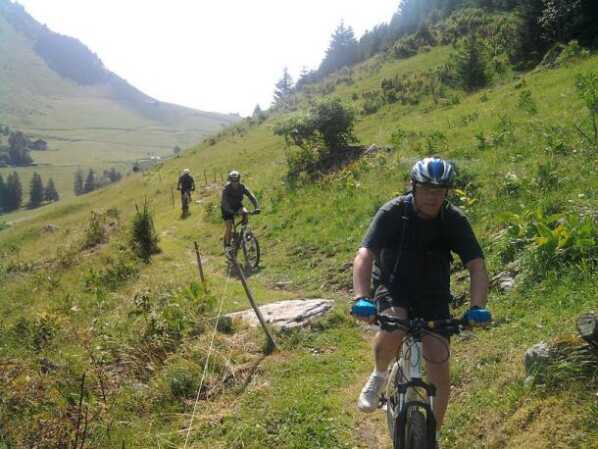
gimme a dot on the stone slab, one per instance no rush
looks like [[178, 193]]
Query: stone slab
[[287, 314]]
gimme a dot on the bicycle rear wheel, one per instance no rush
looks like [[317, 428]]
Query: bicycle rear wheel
[[251, 250], [186, 198]]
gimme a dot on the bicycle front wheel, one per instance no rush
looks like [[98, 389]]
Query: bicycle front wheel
[[251, 250], [416, 431], [392, 406]]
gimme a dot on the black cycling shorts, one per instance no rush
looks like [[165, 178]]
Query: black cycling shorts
[[228, 216], [430, 309]]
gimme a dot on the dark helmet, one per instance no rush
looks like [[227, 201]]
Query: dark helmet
[[234, 176], [433, 171]]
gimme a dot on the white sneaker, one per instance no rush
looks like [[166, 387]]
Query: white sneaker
[[370, 394]]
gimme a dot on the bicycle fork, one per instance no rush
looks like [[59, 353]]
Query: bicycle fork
[[411, 369]]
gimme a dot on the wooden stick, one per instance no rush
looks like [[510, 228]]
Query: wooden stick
[[200, 266], [205, 176], [172, 197], [271, 344]]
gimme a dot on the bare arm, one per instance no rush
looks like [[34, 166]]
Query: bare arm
[[252, 198], [478, 279], [362, 272]]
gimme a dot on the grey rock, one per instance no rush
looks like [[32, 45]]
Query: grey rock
[[536, 358], [288, 314], [504, 281]]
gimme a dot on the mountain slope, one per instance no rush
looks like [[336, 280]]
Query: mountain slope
[[53, 87]]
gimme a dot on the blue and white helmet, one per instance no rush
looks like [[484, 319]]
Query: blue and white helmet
[[433, 171]]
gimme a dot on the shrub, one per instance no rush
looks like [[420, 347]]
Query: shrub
[[436, 142], [398, 137], [557, 141], [549, 242], [113, 276], [511, 184], [587, 90], [547, 177], [96, 230], [472, 64], [319, 132], [144, 239], [405, 47], [182, 377], [372, 103], [527, 103]]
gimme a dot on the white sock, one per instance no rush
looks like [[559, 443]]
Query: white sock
[[379, 373]]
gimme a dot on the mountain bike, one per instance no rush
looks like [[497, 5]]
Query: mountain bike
[[185, 200], [245, 240], [409, 401]]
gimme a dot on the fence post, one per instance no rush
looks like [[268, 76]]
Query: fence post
[[200, 266], [271, 344]]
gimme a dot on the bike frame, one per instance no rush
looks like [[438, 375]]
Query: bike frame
[[239, 229], [407, 389]]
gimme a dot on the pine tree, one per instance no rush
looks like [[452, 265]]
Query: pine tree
[[284, 89], [258, 114], [115, 175], [18, 149], [14, 192], [472, 64], [342, 51], [2, 195], [36, 192], [50, 193], [78, 184], [90, 182]]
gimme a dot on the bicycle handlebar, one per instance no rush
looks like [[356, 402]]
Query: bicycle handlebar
[[451, 326]]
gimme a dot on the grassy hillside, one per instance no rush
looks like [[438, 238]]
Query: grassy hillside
[[141, 333], [92, 126]]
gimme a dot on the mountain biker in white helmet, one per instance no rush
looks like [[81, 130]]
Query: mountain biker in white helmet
[[186, 183], [409, 245], [232, 204]]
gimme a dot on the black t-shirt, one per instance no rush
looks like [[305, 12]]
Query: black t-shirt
[[420, 270], [186, 182], [232, 197]]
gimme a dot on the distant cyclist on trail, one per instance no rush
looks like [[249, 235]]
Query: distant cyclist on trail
[[186, 182], [186, 185], [409, 244], [232, 204]]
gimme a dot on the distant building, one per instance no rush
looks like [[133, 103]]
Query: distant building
[[39, 145]]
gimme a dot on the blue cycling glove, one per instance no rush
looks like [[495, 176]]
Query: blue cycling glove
[[477, 315], [364, 308]]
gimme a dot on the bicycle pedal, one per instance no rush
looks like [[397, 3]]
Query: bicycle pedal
[[382, 403]]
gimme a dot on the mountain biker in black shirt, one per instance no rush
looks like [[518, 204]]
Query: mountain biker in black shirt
[[186, 182], [232, 203], [409, 244]]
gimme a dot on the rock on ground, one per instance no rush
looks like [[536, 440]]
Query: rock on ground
[[287, 314]]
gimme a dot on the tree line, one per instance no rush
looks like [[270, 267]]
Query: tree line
[[88, 183], [540, 24], [11, 192], [18, 151]]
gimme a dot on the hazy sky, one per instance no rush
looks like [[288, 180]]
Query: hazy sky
[[214, 55]]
